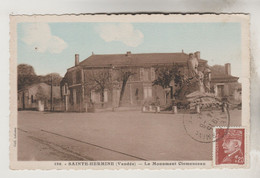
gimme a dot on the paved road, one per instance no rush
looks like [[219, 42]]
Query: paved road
[[129, 135]]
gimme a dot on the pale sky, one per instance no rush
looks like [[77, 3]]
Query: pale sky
[[51, 47]]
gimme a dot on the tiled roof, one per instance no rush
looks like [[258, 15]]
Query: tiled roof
[[224, 78], [135, 59]]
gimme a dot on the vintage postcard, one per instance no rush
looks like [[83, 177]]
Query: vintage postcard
[[129, 91]]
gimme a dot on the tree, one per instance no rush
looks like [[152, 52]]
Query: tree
[[26, 76], [217, 69], [25, 69], [167, 74], [124, 75], [55, 78], [99, 80]]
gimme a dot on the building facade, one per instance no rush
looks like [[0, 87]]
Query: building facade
[[98, 80], [225, 85]]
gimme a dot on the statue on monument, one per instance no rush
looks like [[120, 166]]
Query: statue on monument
[[200, 81], [192, 65], [196, 84], [207, 79]]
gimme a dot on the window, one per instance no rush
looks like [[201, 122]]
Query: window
[[146, 75], [137, 94], [96, 97], [74, 77], [78, 76], [135, 76], [31, 98], [219, 90], [147, 92]]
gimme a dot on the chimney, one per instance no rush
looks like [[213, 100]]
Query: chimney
[[228, 68], [128, 53], [182, 51], [76, 59], [197, 54]]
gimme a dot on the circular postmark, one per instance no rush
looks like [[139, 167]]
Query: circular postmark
[[205, 113]]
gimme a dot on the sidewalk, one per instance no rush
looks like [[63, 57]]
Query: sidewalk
[[119, 109]]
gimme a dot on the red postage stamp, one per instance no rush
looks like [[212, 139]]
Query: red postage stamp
[[230, 146]]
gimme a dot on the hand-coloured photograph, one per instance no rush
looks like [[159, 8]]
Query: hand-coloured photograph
[[129, 92]]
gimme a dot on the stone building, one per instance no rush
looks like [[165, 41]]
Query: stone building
[[79, 91], [225, 85], [97, 80]]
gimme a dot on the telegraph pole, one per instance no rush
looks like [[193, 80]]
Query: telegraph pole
[[51, 94]]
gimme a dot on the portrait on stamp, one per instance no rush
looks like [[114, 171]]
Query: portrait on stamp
[[230, 149]]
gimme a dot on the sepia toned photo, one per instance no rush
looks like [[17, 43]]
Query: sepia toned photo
[[129, 92]]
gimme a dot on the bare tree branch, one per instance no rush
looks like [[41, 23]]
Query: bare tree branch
[[124, 75], [99, 80]]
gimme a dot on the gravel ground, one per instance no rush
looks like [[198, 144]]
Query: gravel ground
[[128, 135]]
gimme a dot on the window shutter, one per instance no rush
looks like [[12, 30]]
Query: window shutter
[[152, 74], [141, 74], [150, 94], [93, 96], [145, 92], [105, 96]]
